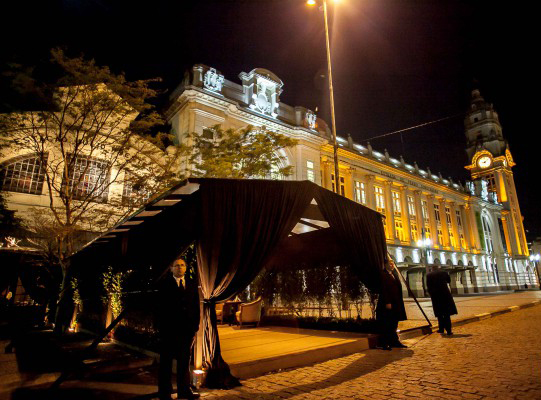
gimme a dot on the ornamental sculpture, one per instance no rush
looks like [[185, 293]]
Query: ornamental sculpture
[[263, 100], [310, 119], [213, 80]]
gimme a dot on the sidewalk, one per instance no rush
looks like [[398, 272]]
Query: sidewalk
[[469, 307]]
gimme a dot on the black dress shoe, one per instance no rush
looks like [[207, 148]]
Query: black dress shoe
[[440, 330], [188, 394], [449, 333]]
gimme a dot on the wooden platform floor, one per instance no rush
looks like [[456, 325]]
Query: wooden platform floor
[[256, 351]]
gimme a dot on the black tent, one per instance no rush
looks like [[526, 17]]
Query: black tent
[[240, 227]]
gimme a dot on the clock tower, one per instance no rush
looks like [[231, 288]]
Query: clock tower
[[491, 160]]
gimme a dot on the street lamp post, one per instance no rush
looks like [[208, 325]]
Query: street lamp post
[[331, 95], [424, 244]]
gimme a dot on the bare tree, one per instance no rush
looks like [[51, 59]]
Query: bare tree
[[94, 149]]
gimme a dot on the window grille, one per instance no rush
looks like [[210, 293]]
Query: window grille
[[24, 175], [89, 179]]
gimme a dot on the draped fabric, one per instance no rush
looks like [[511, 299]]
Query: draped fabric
[[242, 222], [360, 232]]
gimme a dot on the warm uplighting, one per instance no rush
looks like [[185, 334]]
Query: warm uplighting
[[314, 2], [424, 243]]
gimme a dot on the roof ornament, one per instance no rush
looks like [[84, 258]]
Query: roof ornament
[[213, 81], [310, 118]]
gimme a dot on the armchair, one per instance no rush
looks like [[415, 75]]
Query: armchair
[[249, 313], [220, 313]]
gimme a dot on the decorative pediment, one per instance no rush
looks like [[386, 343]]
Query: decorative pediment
[[509, 158], [263, 89]]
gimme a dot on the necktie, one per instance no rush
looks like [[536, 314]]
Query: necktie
[[183, 282]]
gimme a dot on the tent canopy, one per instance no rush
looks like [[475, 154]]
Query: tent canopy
[[155, 234], [241, 227]]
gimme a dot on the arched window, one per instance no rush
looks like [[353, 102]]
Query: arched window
[[487, 233], [24, 174]]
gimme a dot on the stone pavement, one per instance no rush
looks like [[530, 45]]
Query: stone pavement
[[496, 358], [467, 306], [493, 358]]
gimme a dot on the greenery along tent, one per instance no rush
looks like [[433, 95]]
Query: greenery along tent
[[240, 227]]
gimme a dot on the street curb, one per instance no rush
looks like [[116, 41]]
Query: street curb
[[426, 330]]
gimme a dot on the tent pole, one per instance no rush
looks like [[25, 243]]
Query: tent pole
[[410, 292]]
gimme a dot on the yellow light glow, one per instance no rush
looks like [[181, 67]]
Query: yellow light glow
[[311, 2]]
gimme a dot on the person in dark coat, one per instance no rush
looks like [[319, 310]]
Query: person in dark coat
[[442, 300], [177, 319], [390, 309]]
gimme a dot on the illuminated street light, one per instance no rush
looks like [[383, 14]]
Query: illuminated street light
[[331, 94], [424, 244]]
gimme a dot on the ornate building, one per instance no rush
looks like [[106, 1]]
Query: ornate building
[[475, 231]]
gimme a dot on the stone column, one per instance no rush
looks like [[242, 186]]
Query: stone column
[[472, 221], [405, 213], [390, 210], [432, 220], [370, 197], [454, 226], [327, 172], [419, 213], [348, 182]]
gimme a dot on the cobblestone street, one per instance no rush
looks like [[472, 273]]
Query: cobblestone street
[[494, 358]]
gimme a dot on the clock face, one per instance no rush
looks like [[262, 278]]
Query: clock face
[[484, 162]]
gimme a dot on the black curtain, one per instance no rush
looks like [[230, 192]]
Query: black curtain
[[359, 230], [242, 223]]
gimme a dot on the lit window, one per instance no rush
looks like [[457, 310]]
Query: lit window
[[396, 203], [462, 241], [458, 218], [440, 237], [448, 215], [310, 171], [360, 192], [399, 230], [414, 233], [428, 235], [342, 185], [380, 199], [133, 192], [411, 206], [452, 239], [437, 213], [89, 179], [488, 234], [25, 175]]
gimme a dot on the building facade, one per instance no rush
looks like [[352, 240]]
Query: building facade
[[474, 231]]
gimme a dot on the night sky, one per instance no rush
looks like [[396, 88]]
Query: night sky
[[396, 63]]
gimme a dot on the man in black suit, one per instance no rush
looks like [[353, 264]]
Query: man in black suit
[[442, 300], [390, 308], [177, 320]]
